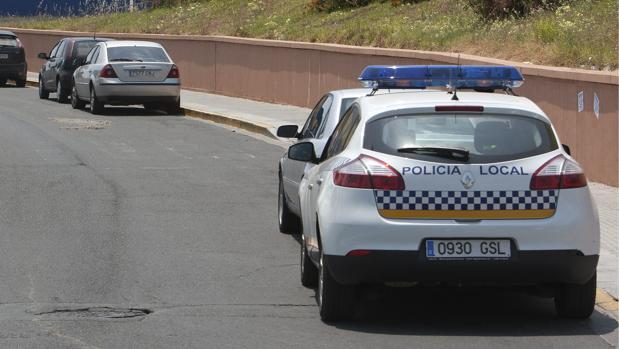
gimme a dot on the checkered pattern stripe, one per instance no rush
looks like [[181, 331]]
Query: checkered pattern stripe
[[466, 200]]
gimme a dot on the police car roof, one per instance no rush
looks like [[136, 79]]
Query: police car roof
[[351, 92], [360, 92], [424, 99], [125, 43]]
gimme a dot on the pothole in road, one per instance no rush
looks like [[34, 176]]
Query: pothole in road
[[96, 313], [82, 124]]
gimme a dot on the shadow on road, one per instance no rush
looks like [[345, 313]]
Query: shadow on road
[[464, 311], [472, 311]]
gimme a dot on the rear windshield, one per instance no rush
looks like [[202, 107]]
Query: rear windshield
[[82, 48], [8, 41], [487, 138], [136, 54]]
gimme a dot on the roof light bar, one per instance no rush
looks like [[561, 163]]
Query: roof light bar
[[450, 76]]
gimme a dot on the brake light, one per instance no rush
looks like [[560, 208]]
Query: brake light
[[108, 72], [366, 172], [461, 108], [174, 73], [558, 173], [358, 253]]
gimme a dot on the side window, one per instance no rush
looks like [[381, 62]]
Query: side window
[[89, 56], [317, 117], [54, 51], [61, 48], [343, 133], [95, 55]]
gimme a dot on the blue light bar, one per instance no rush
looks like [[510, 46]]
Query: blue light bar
[[450, 76]]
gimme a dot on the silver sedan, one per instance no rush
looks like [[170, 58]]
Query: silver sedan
[[126, 73]]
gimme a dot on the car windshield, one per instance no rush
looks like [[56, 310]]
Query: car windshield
[[460, 137], [82, 48], [9, 41], [137, 54]]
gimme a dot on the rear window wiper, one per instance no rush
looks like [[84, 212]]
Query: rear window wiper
[[125, 60], [449, 153]]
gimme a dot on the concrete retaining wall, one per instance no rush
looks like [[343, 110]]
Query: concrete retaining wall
[[299, 73]]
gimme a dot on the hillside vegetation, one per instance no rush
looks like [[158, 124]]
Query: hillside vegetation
[[577, 33]]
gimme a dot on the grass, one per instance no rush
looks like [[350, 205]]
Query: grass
[[582, 34]]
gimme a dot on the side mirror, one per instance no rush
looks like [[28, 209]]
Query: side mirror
[[302, 152], [567, 149], [287, 131], [43, 55]]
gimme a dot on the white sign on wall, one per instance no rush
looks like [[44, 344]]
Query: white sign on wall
[[596, 105], [581, 101]]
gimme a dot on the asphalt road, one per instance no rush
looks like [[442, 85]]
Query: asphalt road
[[134, 230]]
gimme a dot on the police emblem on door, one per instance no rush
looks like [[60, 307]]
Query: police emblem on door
[[467, 180]]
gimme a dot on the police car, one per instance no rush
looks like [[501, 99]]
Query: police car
[[446, 186]]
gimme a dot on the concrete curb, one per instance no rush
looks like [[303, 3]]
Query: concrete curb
[[607, 302], [231, 121], [254, 127]]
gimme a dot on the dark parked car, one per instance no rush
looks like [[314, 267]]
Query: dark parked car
[[12, 59], [57, 72]]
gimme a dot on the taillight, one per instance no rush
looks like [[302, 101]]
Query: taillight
[[108, 72], [366, 172], [19, 44], [174, 73], [558, 173], [358, 253]]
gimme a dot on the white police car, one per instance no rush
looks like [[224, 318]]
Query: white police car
[[317, 129], [431, 186]]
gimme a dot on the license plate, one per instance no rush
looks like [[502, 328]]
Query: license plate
[[4, 56], [468, 249], [141, 73]]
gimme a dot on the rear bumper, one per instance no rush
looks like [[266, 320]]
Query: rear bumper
[[525, 267], [13, 71], [113, 91]]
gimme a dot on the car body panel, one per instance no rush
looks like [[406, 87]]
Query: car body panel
[[340, 219], [12, 58], [292, 171], [64, 58], [127, 88]]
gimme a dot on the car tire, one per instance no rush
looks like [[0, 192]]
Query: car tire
[[288, 222], [20, 83], [2, 82], [576, 301], [309, 271], [96, 107], [63, 97], [76, 102], [43, 93], [335, 301]]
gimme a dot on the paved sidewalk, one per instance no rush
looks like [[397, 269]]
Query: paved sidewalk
[[266, 117], [607, 200]]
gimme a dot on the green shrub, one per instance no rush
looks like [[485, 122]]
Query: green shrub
[[331, 5], [496, 9], [167, 3]]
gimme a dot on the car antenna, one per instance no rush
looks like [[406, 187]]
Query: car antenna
[[455, 96]]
